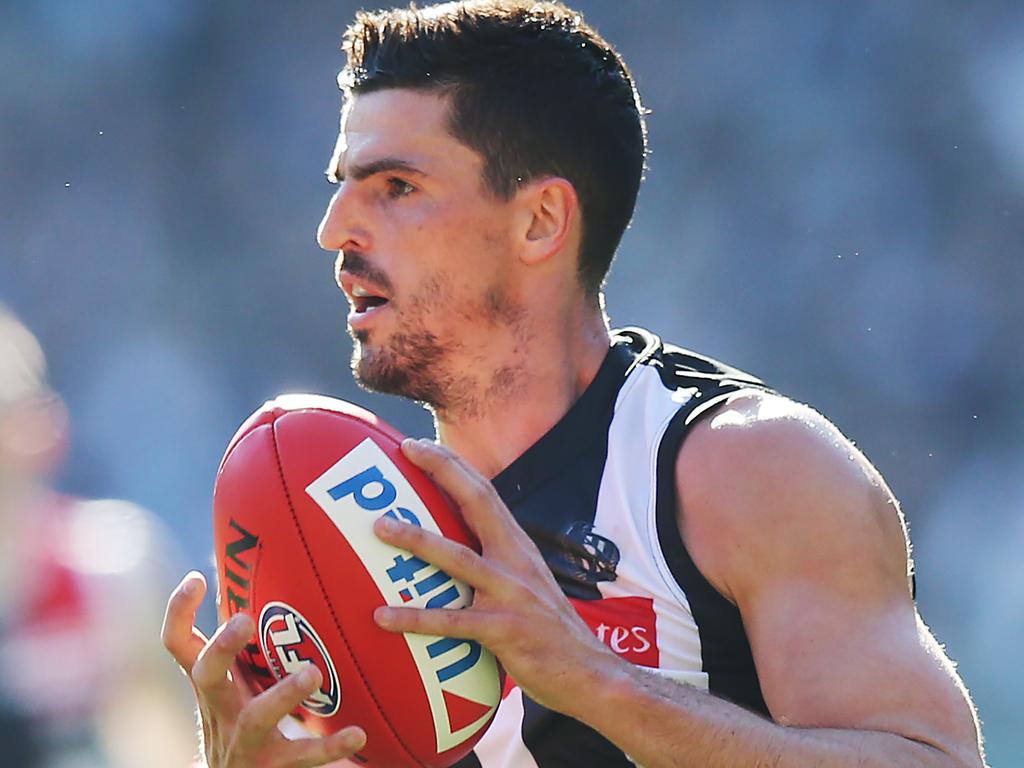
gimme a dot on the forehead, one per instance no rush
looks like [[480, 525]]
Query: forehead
[[409, 124]]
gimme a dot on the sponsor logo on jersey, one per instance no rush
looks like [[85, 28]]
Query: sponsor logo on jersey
[[460, 677], [289, 643], [594, 557], [624, 624]]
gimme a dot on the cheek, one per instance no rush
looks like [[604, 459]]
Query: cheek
[[454, 256], [431, 292]]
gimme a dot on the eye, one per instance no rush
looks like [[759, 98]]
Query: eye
[[399, 187]]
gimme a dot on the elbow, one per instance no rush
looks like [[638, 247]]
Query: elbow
[[946, 756]]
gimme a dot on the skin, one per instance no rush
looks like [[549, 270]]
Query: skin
[[483, 282], [442, 261], [779, 511]]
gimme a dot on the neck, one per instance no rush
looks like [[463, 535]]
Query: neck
[[553, 376]]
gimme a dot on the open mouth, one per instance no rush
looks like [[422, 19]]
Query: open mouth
[[363, 297], [363, 304]]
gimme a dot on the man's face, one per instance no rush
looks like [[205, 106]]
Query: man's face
[[424, 250]]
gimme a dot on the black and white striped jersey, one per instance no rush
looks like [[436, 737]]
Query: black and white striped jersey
[[597, 494]]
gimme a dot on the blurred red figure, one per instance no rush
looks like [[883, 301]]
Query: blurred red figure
[[78, 579]]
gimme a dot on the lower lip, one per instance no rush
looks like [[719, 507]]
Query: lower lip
[[357, 320]]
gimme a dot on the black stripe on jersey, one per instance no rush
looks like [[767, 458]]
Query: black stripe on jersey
[[552, 488], [557, 741], [725, 651], [680, 367], [469, 761], [555, 484]]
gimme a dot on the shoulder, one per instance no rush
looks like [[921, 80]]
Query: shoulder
[[769, 487]]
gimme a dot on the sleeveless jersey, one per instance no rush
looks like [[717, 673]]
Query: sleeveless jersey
[[597, 495]]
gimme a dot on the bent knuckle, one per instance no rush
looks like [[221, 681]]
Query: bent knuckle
[[201, 673], [249, 720], [507, 624], [296, 684], [463, 558], [498, 628], [168, 640], [478, 495], [441, 452], [450, 622], [520, 592], [173, 620], [409, 535]]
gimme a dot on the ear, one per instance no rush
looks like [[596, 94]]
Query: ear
[[550, 215]]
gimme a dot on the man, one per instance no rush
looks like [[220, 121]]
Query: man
[[741, 570]]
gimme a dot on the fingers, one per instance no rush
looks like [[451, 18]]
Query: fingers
[[224, 702], [455, 559], [261, 715], [179, 634], [480, 504], [309, 753], [210, 671], [258, 721], [471, 624]]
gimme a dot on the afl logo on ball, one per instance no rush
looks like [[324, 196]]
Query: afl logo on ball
[[289, 643]]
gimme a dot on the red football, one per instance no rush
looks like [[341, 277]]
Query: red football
[[297, 492]]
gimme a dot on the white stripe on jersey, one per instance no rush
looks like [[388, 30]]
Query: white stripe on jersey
[[502, 746], [626, 510]]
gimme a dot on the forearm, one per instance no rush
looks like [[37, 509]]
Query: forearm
[[662, 724]]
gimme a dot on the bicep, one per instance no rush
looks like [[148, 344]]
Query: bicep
[[828, 661], [807, 540]]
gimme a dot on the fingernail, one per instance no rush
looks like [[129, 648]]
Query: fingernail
[[191, 583], [237, 624], [382, 615], [308, 675], [387, 524], [355, 739]]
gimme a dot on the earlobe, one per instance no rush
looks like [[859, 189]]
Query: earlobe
[[553, 210]]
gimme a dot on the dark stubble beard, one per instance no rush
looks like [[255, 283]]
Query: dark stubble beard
[[402, 367], [419, 365], [407, 367]]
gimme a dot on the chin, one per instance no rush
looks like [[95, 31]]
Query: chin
[[384, 371]]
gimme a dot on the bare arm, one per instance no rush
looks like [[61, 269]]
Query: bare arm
[[805, 540], [793, 525]]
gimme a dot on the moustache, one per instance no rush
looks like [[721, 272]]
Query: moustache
[[357, 265]]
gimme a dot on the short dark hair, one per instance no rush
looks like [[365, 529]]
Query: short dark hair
[[534, 89]]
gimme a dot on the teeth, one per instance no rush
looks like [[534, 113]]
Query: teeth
[[358, 290]]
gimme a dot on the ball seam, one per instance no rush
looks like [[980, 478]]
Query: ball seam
[[330, 604]]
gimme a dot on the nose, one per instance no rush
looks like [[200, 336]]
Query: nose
[[341, 226]]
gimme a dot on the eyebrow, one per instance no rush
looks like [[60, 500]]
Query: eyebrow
[[383, 165]]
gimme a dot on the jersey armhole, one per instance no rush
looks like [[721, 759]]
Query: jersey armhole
[[725, 651]]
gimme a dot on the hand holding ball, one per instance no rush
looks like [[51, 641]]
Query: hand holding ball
[[297, 493]]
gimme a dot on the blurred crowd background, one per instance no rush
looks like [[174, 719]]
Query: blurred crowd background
[[835, 202]]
